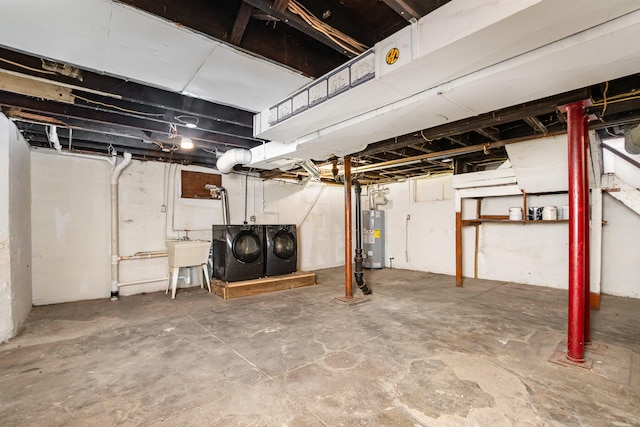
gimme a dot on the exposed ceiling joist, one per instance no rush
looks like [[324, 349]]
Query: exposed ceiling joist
[[411, 9], [536, 125], [240, 24], [222, 132], [481, 121], [489, 133], [300, 24], [13, 82], [419, 148], [281, 5], [119, 89], [455, 141]]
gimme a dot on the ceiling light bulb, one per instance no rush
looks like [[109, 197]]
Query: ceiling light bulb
[[186, 143], [191, 125]]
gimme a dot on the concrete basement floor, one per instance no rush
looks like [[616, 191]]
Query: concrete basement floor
[[421, 352]]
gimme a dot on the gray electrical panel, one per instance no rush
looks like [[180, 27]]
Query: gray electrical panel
[[373, 238]]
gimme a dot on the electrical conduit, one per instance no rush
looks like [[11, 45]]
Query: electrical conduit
[[115, 259]]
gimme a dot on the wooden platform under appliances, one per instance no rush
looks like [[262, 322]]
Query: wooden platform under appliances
[[263, 285]]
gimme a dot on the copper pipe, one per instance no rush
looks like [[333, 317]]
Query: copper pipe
[[459, 249], [348, 269], [587, 251]]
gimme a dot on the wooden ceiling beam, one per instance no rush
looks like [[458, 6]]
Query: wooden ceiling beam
[[298, 23], [113, 89], [92, 117], [493, 135], [281, 5], [240, 24], [414, 9], [419, 148], [505, 115], [536, 124]]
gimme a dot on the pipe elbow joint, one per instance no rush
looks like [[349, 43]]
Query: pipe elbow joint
[[235, 156], [362, 284]]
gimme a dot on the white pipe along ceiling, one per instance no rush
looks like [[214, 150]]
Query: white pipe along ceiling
[[452, 64]]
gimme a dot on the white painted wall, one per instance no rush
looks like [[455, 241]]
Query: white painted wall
[[15, 230], [71, 222], [20, 226], [6, 316], [533, 253], [620, 243], [426, 241], [70, 234]]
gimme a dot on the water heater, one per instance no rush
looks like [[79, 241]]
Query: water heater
[[373, 238]]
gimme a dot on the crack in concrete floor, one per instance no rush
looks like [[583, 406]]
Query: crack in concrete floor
[[421, 352]]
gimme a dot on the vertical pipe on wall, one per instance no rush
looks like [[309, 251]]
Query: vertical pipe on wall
[[115, 257], [595, 244], [348, 284], [358, 259], [587, 251], [577, 205]]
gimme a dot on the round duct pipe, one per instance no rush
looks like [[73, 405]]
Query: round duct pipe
[[632, 140], [235, 156]]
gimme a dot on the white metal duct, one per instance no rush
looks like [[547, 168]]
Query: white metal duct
[[466, 58]]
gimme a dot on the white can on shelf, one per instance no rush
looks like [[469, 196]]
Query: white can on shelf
[[515, 214], [550, 213], [565, 212]]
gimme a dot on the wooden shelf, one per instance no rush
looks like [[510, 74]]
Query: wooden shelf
[[491, 219], [467, 222]]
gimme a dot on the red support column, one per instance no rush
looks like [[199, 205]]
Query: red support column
[[587, 238], [348, 269], [577, 227]]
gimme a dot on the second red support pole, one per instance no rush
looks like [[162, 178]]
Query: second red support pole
[[578, 203]]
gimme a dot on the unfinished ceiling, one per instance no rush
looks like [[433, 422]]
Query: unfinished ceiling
[[108, 75]]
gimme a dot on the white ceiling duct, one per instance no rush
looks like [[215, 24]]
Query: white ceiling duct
[[235, 156], [466, 58]]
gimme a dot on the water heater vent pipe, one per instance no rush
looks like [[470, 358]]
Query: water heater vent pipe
[[222, 193], [377, 197], [115, 258]]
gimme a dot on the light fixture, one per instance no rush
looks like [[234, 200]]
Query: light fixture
[[186, 143], [188, 121]]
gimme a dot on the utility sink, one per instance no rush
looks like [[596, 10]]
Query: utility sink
[[185, 253]]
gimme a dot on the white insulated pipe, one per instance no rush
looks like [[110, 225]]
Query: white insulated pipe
[[144, 255], [235, 156], [142, 282], [55, 140], [115, 259]]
